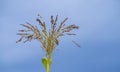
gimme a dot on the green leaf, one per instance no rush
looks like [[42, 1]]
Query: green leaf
[[44, 61]]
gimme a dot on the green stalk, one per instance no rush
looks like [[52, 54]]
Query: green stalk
[[48, 63]]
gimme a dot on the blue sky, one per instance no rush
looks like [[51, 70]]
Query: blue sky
[[99, 35]]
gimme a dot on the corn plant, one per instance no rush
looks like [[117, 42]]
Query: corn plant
[[48, 37]]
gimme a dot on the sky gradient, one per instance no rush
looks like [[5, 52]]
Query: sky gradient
[[98, 35]]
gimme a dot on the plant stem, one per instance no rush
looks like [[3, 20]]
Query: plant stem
[[48, 63], [48, 67]]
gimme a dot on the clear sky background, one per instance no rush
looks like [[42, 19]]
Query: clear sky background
[[99, 35]]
